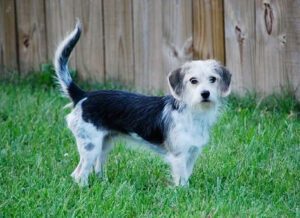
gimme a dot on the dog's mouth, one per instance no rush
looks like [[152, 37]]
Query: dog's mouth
[[204, 105]]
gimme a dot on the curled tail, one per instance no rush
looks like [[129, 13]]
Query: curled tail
[[62, 54]]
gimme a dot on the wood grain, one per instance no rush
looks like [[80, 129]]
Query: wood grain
[[60, 20], [159, 26], [8, 42], [147, 18], [270, 51], [119, 41], [177, 35], [90, 55], [208, 29], [32, 38], [292, 41], [240, 33], [137, 42]]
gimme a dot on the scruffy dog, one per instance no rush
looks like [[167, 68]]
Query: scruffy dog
[[176, 126]]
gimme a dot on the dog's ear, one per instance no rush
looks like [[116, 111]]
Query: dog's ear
[[225, 82], [175, 80]]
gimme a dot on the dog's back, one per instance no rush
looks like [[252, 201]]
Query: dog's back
[[127, 113]]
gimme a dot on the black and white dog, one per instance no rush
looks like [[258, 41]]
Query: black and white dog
[[176, 125]]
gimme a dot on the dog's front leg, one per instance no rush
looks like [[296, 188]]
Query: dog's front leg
[[179, 170], [192, 156]]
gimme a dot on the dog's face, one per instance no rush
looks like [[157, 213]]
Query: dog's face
[[200, 83]]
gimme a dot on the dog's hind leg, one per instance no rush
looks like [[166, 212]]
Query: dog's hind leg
[[75, 173], [101, 159], [89, 145]]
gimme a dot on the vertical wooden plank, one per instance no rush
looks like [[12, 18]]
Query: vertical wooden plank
[[160, 26], [118, 40], [32, 39], [90, 55], [240, 43], [8, 46], [60, 20], [292, 41], [147, 17], [208, 29], [177, 35], [270, 51]]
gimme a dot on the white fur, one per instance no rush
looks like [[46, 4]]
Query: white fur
[[64, 79], [86, 133], [186, 136], [186, 140]]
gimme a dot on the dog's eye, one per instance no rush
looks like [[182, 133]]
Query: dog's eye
[[212, 79], [193, 80]]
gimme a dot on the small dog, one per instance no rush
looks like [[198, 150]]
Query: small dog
[[176, 126]]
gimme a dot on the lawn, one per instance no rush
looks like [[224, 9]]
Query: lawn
[[251, 167]]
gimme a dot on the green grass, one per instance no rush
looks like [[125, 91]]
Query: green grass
[[251, 167]]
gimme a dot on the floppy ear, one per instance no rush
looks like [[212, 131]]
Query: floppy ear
[[225, 80], [175, 80]]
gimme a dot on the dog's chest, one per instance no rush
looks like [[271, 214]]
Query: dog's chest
[[188, 130]]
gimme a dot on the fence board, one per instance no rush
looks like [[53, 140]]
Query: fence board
[[240, 42], [118, 28], [208, 29], [292, 41], [138, 42], [156, 36], [177, 35], [60, 19], [147, 43], [270, 51], [90, 58], [32, 39], [8, 45]]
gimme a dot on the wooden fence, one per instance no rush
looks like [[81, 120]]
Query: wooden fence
[[137, 42]]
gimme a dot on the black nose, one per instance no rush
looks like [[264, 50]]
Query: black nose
[[205, 94]]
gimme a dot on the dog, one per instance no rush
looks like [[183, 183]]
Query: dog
[[176, 126]]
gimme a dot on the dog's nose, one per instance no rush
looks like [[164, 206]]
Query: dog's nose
[[205, 94]]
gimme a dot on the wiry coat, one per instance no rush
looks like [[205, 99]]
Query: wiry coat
[[176, 125]]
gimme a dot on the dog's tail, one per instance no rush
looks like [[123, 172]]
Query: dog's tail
[[62, 54]]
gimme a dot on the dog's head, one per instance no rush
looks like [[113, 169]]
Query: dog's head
[[200, 83]]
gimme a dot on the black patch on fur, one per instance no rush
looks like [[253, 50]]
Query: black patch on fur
[[65, 54], [76, 93], [128, 113], [176, 81], [89, 146], [225, 78]]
